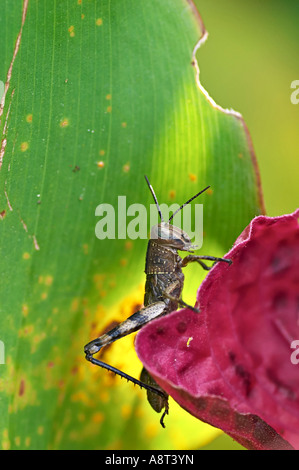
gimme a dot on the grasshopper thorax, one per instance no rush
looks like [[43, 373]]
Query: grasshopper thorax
[[174, 237]]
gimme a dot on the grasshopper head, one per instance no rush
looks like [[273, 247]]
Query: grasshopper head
[[174, 237], [167, 234]]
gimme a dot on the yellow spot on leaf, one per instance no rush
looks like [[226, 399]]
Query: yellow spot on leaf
[[85, 248], [75, 305], [48, 280], [98, 279], [71, 30], [101, 164], [209, 191], [104, 396], [126, 168], [98, 417], [102, 152], [25, 310], [26, 255], [25, 331], [64, 123], [80, 396], [17, 441], [172, 194], [115, 445], [5, 445], [24, 146], [27, 441], [40, 430], [5, 440], [128, 245], [82, 16], [108, 97], [123, 124], [139, 413], [36, 340], [44, 295], [123, 262], [29, 118], [192, 177], [99, 22], [151, 430], [109, 109], [126, 410]]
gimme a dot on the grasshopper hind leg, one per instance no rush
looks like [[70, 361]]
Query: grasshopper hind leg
[[128, 326], [155, 395]]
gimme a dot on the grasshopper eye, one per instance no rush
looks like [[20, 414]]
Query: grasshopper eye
[[185, 237]]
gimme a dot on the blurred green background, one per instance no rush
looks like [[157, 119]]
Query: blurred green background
[[248, 64]]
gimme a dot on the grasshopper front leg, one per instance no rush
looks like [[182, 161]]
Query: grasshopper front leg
[[194, 258]]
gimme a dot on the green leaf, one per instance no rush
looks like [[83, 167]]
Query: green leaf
[[97, 95]]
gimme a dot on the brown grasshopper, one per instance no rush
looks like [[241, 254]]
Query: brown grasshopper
[[164, 284]]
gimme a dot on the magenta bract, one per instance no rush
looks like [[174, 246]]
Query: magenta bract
[[231, 365]]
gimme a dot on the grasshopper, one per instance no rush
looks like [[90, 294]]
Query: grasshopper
[[164, 284]]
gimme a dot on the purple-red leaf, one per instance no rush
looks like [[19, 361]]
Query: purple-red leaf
[[231, 364]]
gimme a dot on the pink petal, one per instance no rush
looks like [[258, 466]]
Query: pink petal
[[231, 364]]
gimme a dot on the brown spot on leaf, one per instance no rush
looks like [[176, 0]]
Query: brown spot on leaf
[[22, 388], [136, 307]]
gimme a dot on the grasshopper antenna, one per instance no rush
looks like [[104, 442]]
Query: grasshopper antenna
[[155, 197], [188, 202]]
